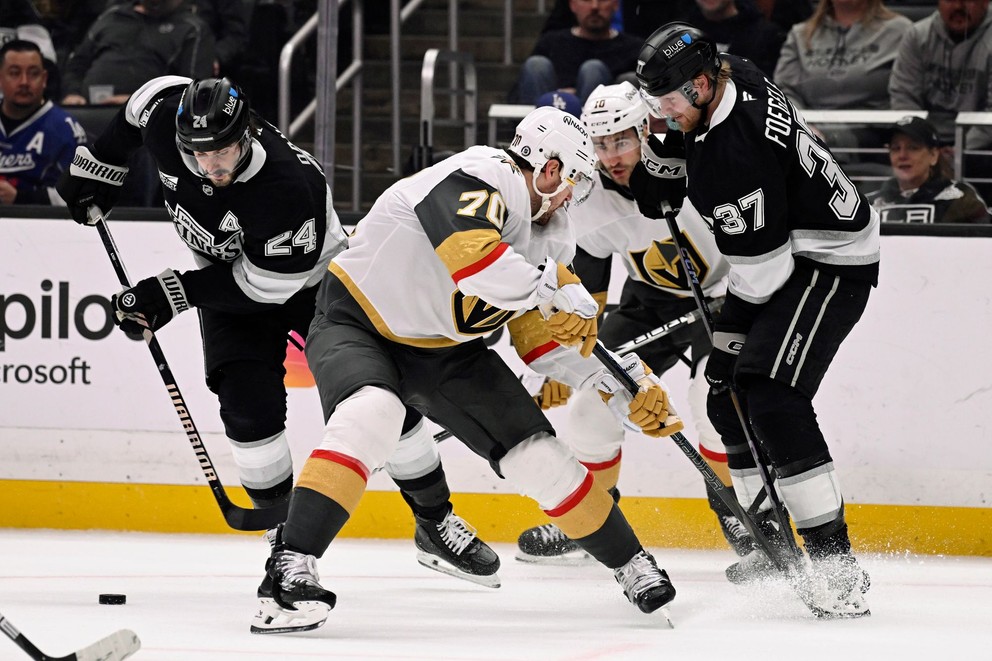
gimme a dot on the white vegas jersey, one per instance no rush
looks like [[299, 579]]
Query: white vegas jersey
[[609, 222], [463, 254]]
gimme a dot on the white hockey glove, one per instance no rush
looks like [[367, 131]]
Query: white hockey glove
[[650, 411], [568, 308]]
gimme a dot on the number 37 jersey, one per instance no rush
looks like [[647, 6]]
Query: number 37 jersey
[[773, 193]]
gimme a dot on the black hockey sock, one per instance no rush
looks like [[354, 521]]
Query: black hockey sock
[[829, 539], [614, 544], [314, 521], [276, 495], [428, 496]]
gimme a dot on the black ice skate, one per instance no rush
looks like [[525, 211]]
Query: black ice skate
[[548, 545], [273, 537], [736, 535], [297, 601], [452, 547], [646, 586], [756, 565], [836, 587]]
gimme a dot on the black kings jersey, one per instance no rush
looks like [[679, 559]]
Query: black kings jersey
[[773, 192], [259, 240]]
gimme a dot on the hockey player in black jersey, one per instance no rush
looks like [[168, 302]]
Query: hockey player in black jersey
[[256, 212], [803, 248]]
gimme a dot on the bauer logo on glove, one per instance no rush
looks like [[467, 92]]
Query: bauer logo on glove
[[650, 411]]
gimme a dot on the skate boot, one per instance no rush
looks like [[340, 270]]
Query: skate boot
[[548, 545], [646, 586], [272, 536], [298, 602], [736, 535], [452, 547], [837, 586], [756, 565]]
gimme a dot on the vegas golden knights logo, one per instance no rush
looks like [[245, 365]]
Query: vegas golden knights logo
[[661, 265], [473, 316]]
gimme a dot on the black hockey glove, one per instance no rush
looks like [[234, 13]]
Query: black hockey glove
[[722, 362], [90, 182], [150, 304], [660, 176]]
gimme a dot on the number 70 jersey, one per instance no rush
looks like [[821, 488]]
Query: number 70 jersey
[[774, 194]]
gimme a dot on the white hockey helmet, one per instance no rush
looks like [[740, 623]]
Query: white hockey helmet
[[614, 108], [547, 133]]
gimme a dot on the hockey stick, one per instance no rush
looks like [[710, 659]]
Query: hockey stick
[[118, 645], [661, 331], [239, 518], [787, 566], [778, 510]]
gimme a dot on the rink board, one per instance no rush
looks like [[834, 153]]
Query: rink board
[[87, 433]]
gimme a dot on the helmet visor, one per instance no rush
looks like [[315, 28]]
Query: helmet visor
[[667, 105], [581, 187], [216, 164]]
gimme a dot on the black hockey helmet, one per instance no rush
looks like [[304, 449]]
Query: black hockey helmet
[[213, 114], [673, 54]]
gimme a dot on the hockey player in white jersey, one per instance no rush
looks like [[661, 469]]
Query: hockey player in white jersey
[[803, 248], [444, 258], [256, 212], [656, 292]]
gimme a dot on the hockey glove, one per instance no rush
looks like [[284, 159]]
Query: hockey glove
[[568, 309], [720, 367], [649, 411], [150, 304], [90, 182], [660, 176], [552, 393]]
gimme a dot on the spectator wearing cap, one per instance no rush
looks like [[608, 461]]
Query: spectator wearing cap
[[921, 189], [581, 58], [562, 101]]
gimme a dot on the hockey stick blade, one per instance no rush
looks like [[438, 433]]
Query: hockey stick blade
[[115, 647], [239, 518]]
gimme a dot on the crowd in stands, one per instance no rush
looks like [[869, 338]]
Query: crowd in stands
[[930, 55]]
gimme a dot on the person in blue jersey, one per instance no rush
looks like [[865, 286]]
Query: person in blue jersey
[[37, 139], [803, 248]]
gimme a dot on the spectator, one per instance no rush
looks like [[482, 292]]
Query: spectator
[[229, 21], [38, 139], [132, 43], [578, 59], [739, 28], [68, 21], [841, 58], [20, 20], [921, 189], [943, 66]]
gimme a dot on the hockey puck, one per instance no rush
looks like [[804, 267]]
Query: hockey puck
[[113, 599]]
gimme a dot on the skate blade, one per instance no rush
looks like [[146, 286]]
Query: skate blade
[[576, 558], [440, 566], [272, 618], [666, 616]]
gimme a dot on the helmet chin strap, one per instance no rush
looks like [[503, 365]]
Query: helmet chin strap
[[545, 197]]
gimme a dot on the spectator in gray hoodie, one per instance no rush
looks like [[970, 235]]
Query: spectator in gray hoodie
[[841, 58], [943, 66]]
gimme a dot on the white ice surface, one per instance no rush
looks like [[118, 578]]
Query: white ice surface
[[190, 598]]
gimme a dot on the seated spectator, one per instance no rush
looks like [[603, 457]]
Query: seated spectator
[[38, 138], [921, 189], [68, 21], [229, 21], [130, 44], [943, 67], [841, 58], [739, 28], [578, 59], [20, 20]]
